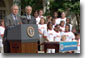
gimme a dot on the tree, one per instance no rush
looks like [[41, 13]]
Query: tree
[[74, 7], [63, 5]]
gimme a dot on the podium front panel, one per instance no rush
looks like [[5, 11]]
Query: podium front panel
[[25, 37]]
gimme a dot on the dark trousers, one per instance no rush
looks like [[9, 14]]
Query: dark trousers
[[6, 47], [38, 45]]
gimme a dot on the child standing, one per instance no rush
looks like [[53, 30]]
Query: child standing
[[57, 33], [2, 29], [50, 36], [69, 35], [68, 22], [78, 40], [62, 26], [42, 27]]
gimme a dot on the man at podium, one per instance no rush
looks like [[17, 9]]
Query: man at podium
[[10, 21]]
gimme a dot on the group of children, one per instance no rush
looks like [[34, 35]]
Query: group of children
[[56, 30]]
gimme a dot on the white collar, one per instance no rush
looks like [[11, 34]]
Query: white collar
[[28, 16], [14, 16]]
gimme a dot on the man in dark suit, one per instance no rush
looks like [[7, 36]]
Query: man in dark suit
[[10, 21], [28, 18]]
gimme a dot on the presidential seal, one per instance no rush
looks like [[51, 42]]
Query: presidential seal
[[30, 31]]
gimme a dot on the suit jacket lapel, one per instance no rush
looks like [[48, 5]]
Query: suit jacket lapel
[[12, 19], [27, 20]]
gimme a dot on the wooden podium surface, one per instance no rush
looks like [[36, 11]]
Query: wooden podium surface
[[51, 45], [18, 47]]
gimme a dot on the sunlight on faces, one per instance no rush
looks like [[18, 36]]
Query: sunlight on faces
[[2, 22], [50, 26], [62, 23], [78, 36], [28, 10], [42, 21], [36, 14], [57, 28], [55, 14], [63, 14], [67, 21], [41, 12], [66, 28], [15, 9], [53, 21]]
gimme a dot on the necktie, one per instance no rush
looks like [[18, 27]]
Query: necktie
[[15, 19]]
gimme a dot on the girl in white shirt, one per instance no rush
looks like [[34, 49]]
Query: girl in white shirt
[[63, 17], [50, 36], [36, 17], [42, 27], [41, 13], [68, 22], [49, 19], [69, 35], [53, 22], [57, 20], [50, 32], [78, 40], [57, 33], [62, 26], [2, 29]]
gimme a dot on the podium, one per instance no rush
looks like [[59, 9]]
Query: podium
[[23, 38]]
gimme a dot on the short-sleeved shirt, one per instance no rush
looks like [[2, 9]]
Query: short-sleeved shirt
[[42, 28], [63, 20], [57, 21], [62, 28], [2, 29], [69, 36], [37, 20], [57, 36], [50, 35]]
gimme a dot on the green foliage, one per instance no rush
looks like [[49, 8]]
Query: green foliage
[[55, 5], [36, 4], [62, 5], [73, 6]]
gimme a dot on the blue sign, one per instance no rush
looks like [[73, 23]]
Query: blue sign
[[67, 46]]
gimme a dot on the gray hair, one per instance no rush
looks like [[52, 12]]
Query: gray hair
[[14, 6], [28, 7]]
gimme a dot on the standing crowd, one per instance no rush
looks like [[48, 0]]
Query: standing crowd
[[51, 28]]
